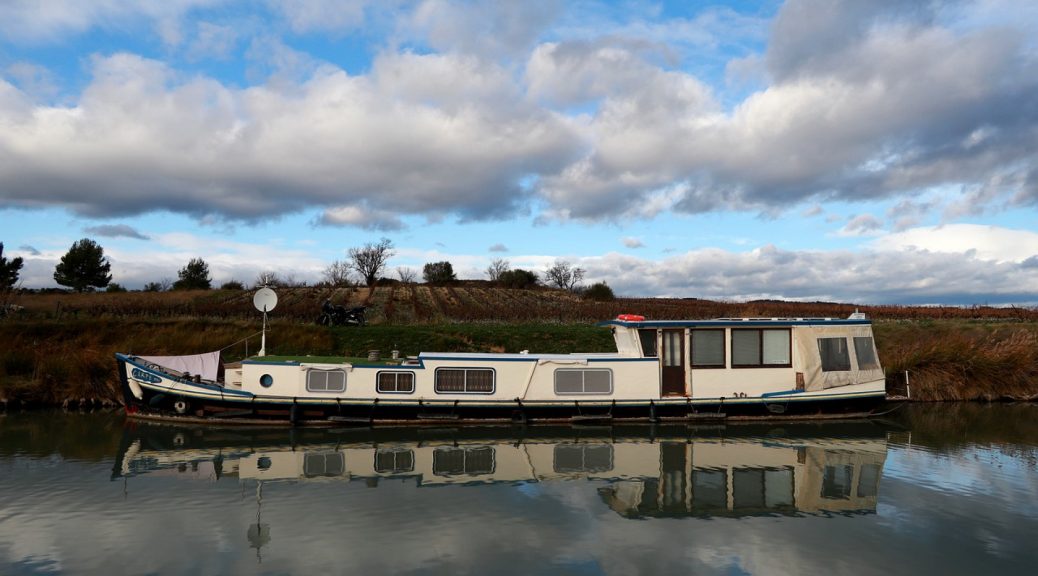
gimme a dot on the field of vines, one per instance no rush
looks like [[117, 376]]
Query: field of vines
[[403, 304]]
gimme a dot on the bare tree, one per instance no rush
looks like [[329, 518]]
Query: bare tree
[[370, 260], [498, 267], [407, 275], [337, 273], [564, 275], [268, 278]]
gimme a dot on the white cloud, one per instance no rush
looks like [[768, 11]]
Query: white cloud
[[632, 242], [323, 15], [991, 243], [862, 225], [361, 217]]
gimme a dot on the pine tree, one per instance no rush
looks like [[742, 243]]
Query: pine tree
[[194, 276], [8, 270], [84, 267]]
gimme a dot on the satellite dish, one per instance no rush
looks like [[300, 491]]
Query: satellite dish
[[265, 300]]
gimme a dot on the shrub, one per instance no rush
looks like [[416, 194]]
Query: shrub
[[518, 278], [232, 285], [599, 292]]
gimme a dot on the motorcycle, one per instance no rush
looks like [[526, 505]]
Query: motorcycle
[[337, 315]]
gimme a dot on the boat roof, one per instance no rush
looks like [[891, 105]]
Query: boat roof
[[737, 322]]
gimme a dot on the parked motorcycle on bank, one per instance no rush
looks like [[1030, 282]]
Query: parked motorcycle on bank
[[337, 315]]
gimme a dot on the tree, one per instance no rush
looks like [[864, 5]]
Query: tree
[[8, 270], [563, 275], [518, 278], [153, 287], [599, 292], [438, 273], [194, 276], [115, 287], [498, 267], [232, 285], [371, 259], [84, 267], [337, 273], [268, 278], [406, 275]]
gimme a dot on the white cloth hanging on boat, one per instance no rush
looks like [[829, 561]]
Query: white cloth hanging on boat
[[205, 365]]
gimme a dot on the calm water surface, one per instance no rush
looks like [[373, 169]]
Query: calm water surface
[[936, 490]]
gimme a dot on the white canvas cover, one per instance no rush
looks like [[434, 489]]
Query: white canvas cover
[[810, 361], [207, 365]]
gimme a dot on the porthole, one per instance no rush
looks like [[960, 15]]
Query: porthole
[[266, 380]]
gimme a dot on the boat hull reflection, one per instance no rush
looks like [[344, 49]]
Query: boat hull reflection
[[726, 471]]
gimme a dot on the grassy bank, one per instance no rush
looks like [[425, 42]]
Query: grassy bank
[[51, 360]]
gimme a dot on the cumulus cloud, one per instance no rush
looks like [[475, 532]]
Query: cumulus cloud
[[991, 243], [632, 242], [361, 217], [115, 231], [499, 247], [323, 15], [909, 276], [144, 138]]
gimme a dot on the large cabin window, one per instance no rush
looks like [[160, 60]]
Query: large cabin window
[[761, 348], [464, 381], [395, 382], [325, 380], [570, 458], [834, 354], [708, 349], [570, 381], [463, 461], [865, 351], [648, 340]]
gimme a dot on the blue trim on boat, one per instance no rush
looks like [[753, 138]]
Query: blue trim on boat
[[777, 323], [781, 393]]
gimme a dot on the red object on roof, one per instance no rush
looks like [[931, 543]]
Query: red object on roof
[[630, 318]]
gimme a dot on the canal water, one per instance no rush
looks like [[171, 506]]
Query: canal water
[[943, 489]]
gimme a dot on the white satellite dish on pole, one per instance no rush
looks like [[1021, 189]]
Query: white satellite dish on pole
[[264, 300]]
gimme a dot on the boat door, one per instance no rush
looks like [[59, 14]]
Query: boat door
[[672, 359]]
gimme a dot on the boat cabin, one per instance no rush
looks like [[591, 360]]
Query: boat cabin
[[747, 357]]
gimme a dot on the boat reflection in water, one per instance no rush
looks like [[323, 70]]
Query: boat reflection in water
[[727, 471]]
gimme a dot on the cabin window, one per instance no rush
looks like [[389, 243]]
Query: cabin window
[[865, 351], [464, 380], [834, 354], [761, 348], [709, 490], [836, 482], [463, 461], [323, 464], [583, 381], [394, 461], [868, 480], [594, 458], [648, 339], [395, 382], [325, 381], [708, 349]]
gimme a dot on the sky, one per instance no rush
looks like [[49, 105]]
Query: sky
[[871, 151]]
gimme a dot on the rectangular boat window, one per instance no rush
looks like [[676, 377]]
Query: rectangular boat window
[[395, 382], [778, 488], [325, 380], [764, 348], [747, 489], [709, 490], [834, 354], [583, 381], [708, 349], [323, 464], [836, 482], [868, 480], [463, 461], [583, 458], [865, 351], [464, 380], [394, 461], [648, 339]]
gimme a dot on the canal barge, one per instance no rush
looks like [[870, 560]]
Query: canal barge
[[662, 370]]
